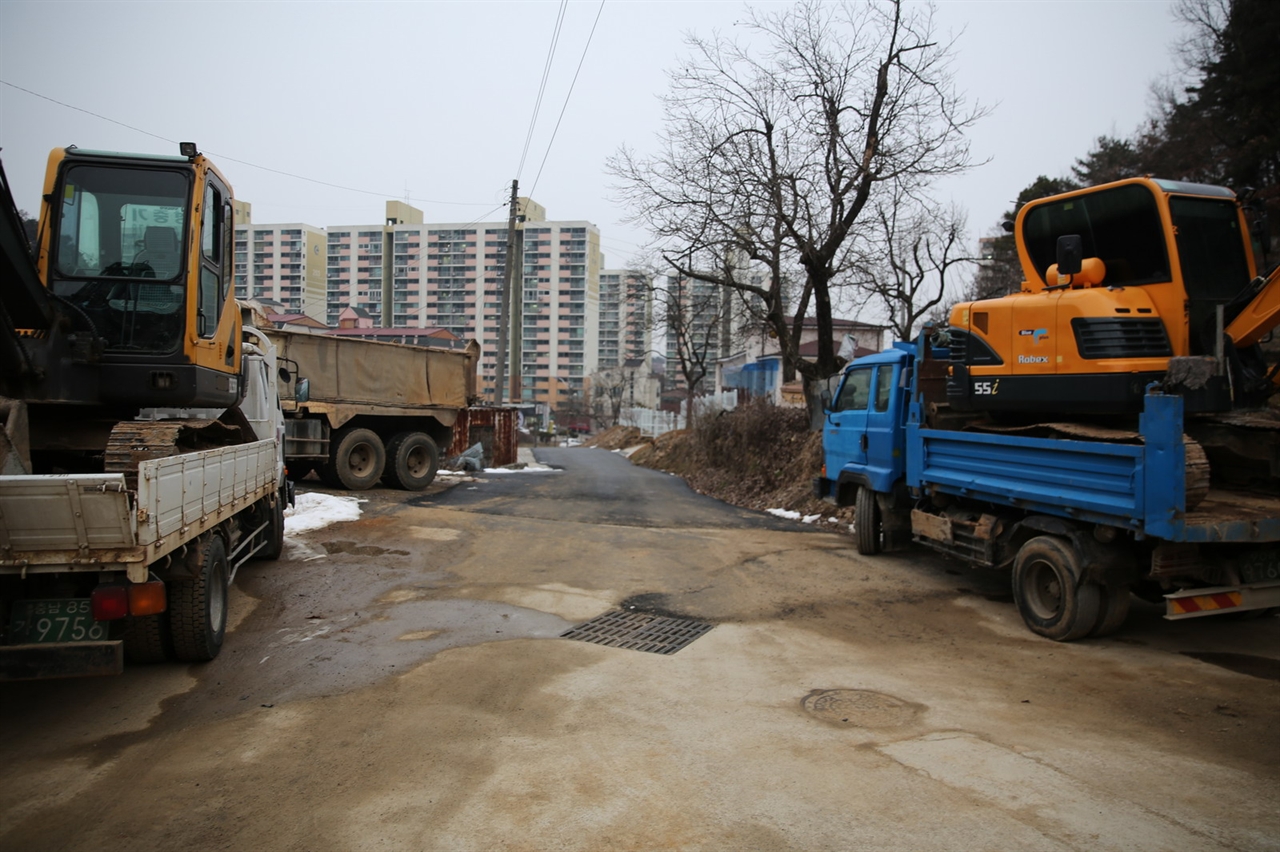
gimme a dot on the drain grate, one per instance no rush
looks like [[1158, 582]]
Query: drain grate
[[639, 631]]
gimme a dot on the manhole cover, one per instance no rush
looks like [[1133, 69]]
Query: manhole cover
[[859, 708], [639, 631]]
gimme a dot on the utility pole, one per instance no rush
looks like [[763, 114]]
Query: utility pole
[[517, 318], [504, 310]]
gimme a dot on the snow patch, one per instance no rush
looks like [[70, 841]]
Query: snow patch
[[313, 511]]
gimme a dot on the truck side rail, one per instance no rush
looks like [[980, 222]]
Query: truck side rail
[[1140, 487]]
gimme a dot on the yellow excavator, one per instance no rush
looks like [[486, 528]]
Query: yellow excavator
[[1127, 284], [127, 304]]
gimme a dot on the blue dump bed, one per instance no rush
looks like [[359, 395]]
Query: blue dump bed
[[1135, 486]]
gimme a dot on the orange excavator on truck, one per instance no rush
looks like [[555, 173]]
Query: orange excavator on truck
[[1128, 284]]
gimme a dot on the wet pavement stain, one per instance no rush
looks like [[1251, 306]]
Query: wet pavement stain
[[1245, 664]]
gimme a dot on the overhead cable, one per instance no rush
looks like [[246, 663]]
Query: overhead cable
[[241, 162]]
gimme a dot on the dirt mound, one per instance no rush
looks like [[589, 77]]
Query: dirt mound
[[759, 456], [617, 438]]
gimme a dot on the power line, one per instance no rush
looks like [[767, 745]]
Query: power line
[[542, 87], [566, 98], [233, 159]]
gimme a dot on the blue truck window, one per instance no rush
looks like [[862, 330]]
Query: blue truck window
[[855, 392], [884, 386]]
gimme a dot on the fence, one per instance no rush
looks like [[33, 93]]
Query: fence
[[652, 423]]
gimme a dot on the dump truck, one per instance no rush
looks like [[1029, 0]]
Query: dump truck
[[371, 411], [1082, 516], [141, 455]]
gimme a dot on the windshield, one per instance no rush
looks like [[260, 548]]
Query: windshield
[[1121, 226], [118, 242]]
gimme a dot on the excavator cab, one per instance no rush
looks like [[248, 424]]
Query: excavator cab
[[126, 305], [136, 252]]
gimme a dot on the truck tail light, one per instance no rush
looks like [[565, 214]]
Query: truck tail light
[[109, 602], [146, 598]]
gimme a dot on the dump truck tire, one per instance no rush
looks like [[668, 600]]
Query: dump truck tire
[[412, 461], [356, 460], [1048, 591], [1112, 610], [867, 529]]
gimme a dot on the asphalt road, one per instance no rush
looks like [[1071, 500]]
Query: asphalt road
[[398, 682]]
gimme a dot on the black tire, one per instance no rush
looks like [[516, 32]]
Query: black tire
[[274, 511], [412, 461], [146, 639], [1047, 590], [1113, 609], [198, 605], [356, 459], [867, 528]]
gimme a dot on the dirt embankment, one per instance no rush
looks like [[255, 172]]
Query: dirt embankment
[[758, 456]]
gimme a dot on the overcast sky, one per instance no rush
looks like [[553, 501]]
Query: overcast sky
[[433, 100]]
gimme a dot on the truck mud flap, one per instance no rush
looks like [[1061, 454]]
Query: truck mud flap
[[63, 659]]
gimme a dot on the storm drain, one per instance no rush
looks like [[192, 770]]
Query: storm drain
[[639, 631]]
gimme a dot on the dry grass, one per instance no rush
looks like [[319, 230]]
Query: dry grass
[[759, 456]]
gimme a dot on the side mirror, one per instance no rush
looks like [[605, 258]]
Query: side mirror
[[825, 396], [302, 392], [1070, 254], [285, 375]]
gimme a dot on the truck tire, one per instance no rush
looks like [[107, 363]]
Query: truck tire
[[356, 460], [146, 639], [1051, 599], [867, 528], [1113, 609], [412, 461], [274, 511], [299, 470], [198, 605]]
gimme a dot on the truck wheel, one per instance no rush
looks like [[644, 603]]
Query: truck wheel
[[146, 639], [1113, 609], [356, 460], [867, 529], [1047, 589], [274, 510], [198, 605], [412, 461]]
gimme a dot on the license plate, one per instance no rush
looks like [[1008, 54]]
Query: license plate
[[60, 620]]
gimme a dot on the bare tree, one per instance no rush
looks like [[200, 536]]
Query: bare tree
[[770, 156], [693, 310], [913, 265]]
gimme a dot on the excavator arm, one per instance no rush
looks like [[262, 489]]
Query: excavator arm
[[1259, 316]]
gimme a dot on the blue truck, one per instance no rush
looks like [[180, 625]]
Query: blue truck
[[1083, 516]]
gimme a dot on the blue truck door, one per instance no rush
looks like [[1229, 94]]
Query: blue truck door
[[883, 429], [846, 438]]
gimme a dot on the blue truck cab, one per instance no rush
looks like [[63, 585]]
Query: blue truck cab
[[1082, 516]]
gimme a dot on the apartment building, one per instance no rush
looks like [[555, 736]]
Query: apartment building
[[626, 317], [284, 264]]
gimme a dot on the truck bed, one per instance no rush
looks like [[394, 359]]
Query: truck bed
[[1135, 486], [90, 522]]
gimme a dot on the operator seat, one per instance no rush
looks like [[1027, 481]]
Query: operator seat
[[160, 247]]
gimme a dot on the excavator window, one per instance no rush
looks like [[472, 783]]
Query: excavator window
[[1119, 225], [119, 260]]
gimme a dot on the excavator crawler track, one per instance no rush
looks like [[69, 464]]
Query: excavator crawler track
[[135, 441]]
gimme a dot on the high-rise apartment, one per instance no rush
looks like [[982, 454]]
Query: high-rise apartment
[[282, 263], [626, 314]]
